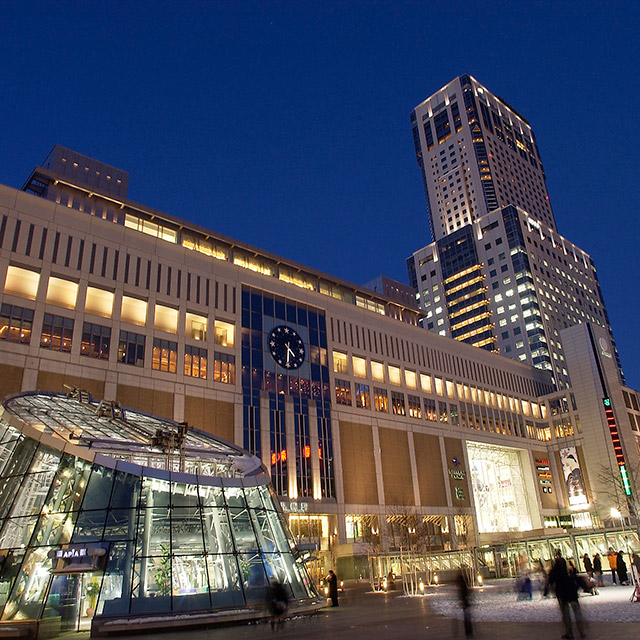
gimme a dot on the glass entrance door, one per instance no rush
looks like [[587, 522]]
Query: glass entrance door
[[71, 603]]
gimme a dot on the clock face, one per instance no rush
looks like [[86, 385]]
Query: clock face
[[286, 347]]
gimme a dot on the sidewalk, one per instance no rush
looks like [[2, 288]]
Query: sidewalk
[[376, 616]]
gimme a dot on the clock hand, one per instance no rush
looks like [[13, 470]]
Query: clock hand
[[289, 352]]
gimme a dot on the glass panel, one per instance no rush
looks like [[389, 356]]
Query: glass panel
[[63, 601], [9, 573], [28, 590], [89, 526], [99, 488], [153, 531], [235, 497], [17, 532], [184, 495], [186, 531], [114, 596], [244, 537], [254, 578], [268, 497], [126, 491], [211, 496], [224, 581], [10, 440], [17, 466], [121, 524], [31, 494], [253, 497], [217, 531], [152, 584], [68, 486], [190, 583], [279, 529]]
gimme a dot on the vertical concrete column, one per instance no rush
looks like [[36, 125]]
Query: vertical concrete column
[[414, 468], [447, 487], [265, 431], [178, 403], [111, 386], [315, 461], [290, 439]]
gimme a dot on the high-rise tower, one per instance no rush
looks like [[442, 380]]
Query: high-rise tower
[[497, 275], [476, 154]]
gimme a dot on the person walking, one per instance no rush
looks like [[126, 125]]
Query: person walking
[[612, 557], [564, 581], [464, 597], [597, 570], [332, 580], [621, 568], [279, 604], [588, 567]]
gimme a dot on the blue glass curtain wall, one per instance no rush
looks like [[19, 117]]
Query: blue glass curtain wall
[[262, 312]]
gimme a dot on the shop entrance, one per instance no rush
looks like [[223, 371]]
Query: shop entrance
[[71, 603]]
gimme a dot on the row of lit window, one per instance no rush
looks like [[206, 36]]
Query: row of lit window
[[379, 372], [248, 261], [100, 302], [57, 335]]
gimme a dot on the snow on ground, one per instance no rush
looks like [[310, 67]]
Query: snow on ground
[[499, 602]]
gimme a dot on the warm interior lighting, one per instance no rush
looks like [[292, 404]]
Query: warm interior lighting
[[99, 302], [377, 371], [340, 362], [394, 375], [133, 310], [62, 292], [224, 333], [411, 379], [22, 282], [359, 367], [166, 319], [196, 326]]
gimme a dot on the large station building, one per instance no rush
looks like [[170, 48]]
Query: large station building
[[372, 428]]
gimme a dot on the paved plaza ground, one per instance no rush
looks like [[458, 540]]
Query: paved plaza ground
[[498, 615]]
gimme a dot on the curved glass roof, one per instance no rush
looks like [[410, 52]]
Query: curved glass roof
[[103, 427]]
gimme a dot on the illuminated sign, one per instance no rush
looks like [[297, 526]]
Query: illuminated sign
[[457, 474], [295, 507], [617, 445], [573, 476]]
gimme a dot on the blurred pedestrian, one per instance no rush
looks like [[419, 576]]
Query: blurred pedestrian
[[564, 581], [279, 604], [332, 581], [597, 570], [464, 597], [621, 568], [612, 557], [588, 567]]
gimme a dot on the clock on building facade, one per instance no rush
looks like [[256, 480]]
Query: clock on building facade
[[286, 347]]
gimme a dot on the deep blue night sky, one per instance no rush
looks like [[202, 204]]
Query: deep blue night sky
[[286, 124]]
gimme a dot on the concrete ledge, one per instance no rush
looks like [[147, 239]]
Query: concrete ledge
[[123, 625]]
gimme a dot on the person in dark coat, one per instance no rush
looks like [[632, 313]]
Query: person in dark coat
[[588, 567], [279, 604], [621, 568], [332, 580], [464, 597], [564, 581], [597, 569]]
